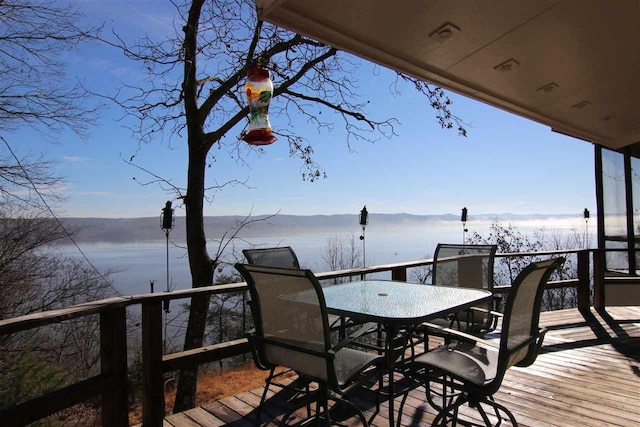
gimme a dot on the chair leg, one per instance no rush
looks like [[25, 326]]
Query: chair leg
[[264, 392], [298, 391], [497, 407], [441, 418], [358, 411], [484, 416], [306, 401], [325, 411], [447, 399], [378, 398], [401, 408]]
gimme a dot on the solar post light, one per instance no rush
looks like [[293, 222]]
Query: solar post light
[[586, 216], [364, 220], [463, 218], [167, 222]]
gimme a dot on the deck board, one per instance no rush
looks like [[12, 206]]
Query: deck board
[[587, 374]]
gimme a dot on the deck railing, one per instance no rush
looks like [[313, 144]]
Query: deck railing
[[111, 383]]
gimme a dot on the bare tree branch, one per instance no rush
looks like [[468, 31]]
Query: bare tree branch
[[34, 88]]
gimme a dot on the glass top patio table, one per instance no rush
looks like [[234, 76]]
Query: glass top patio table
[[393, 304], [398, 303]]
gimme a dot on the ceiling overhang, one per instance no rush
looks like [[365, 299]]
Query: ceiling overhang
[[573, 65]]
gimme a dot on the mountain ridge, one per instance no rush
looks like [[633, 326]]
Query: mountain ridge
[[119, 230]]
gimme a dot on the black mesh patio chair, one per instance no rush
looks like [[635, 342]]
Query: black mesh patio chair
[[292, 330], [283, 257], [473, 369], [469, 266]]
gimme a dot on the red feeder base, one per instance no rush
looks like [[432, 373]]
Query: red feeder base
[[259, 137]]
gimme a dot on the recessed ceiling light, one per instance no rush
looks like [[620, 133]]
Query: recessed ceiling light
[[444, 33], [580, 105], [507, 66], [550, 87]]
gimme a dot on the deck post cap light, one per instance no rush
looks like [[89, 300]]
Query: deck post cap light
[[364, 220], [167, 222], [463, 218], [364, 216]]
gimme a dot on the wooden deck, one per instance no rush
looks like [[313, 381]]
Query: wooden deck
[[587, 375]]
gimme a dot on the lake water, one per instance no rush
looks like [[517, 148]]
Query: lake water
[[138, 263]]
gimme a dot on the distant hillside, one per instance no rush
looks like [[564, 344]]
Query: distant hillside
[[148, 229]]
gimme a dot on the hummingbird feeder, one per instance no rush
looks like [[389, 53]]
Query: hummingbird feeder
[[258, 89]]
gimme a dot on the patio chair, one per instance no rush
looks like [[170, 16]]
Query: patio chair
[[283, 257], [469, 266], [473, 369], [292, 330]]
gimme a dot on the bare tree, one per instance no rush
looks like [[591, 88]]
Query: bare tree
[[36, 92], [556, 240], [20, 264], [35, 36], [227, 314], [509, 239], [342, 252], [195, 86], [34, 278], [422, 274]]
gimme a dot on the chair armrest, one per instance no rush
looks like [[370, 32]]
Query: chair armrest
[[484, 310], [256, 351], [366, 328], [313, 349], [533, 354], [460, 336]]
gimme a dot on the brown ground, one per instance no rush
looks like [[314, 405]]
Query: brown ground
[[213, 386]]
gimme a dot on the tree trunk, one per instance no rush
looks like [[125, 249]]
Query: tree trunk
[[200, 264]]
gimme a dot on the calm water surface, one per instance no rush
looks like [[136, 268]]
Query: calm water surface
[[138, 263]]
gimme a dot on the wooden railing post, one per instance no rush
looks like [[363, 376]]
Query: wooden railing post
[[598, 279], [113, 361], [399, 273], [584, 285], [153, 385]]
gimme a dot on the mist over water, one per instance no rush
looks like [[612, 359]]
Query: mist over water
[[138, 263]]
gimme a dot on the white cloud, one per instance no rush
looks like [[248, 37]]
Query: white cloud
[[92, 193], [76, 159]]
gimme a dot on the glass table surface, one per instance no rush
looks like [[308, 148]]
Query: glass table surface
[[404, 303]]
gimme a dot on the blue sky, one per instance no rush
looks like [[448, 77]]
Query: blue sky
[[505, 164]]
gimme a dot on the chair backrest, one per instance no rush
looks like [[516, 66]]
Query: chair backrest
[[283, 257], [520, 339], [289, 313], [469, 266]]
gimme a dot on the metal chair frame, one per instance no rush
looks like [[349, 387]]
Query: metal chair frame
[[355, 366], [466, 364], [282, 256], [473, 267]]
